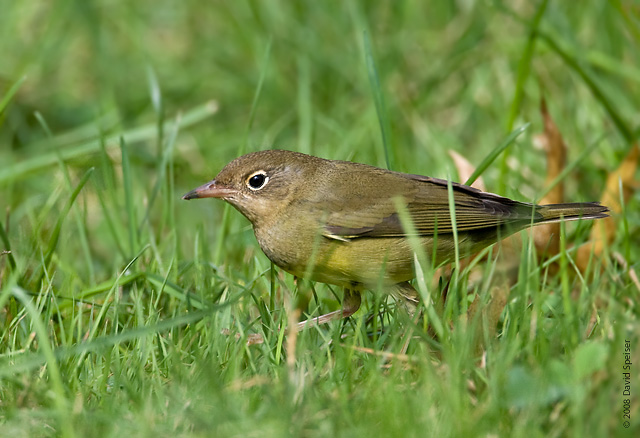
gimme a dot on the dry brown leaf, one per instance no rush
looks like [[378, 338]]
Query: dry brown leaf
[[385, 354], [489, 312], [241, 385], [546, 237], [603, 231], [633, 276], [292, 338], [465, 170]]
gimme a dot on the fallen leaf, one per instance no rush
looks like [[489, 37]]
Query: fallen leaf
[[603, 231], [465, 170], [490, 312], [384, 354], [546, 237]]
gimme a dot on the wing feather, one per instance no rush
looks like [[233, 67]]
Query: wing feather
[[426, 201]]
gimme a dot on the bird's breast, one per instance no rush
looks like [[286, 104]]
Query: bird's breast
[[306, 253], [287, 243]]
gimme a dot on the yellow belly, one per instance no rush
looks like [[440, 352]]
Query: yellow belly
[[370, 262]]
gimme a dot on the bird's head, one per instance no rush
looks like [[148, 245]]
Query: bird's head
[[260, 184]]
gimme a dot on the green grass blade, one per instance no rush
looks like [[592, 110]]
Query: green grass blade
[[264, 67], [55, 236], [127, 183], [7, 246], [47, 356], [378, 98], [570, 167], [592, 84], [30, 361], [80, 225], [45, 126], [24, 168], [105, 189], [163, 167], [224, 224], [572, 58], [97, 289], [495, 153], [305, 109], [155, 93], [524, 67], [7, 97], [611, 65]]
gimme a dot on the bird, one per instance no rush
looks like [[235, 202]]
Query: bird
[[344, 223]]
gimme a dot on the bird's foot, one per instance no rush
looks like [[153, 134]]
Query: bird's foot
[[350, 305]]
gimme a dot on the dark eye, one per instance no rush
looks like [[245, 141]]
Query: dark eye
[[258, 180]]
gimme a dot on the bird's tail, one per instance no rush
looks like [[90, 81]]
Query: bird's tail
[[571, 211]]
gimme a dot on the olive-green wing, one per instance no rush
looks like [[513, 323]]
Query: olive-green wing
[[427, 202]]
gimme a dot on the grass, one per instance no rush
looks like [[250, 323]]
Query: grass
[[115, 293]]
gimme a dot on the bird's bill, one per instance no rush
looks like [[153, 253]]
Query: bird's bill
[[209, 190]]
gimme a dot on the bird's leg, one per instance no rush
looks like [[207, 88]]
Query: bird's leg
[[406, 296], [350, 305]]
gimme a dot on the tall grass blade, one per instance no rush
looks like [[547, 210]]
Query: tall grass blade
[[378, 98], [55, 236], [495, 153], [40, 162]]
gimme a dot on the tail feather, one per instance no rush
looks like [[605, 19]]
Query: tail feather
[[572, 211]]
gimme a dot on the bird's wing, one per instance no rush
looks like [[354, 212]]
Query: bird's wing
[[426, 201]]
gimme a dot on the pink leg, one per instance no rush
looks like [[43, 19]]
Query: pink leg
[[350, 305]]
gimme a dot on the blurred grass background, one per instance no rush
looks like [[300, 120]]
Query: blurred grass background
[[113, 301]]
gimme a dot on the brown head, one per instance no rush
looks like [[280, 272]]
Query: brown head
[[257, 184]]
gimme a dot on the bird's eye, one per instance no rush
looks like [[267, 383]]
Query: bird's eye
[[257, 180]]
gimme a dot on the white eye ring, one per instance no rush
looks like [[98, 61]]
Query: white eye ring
[[257, 180]]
